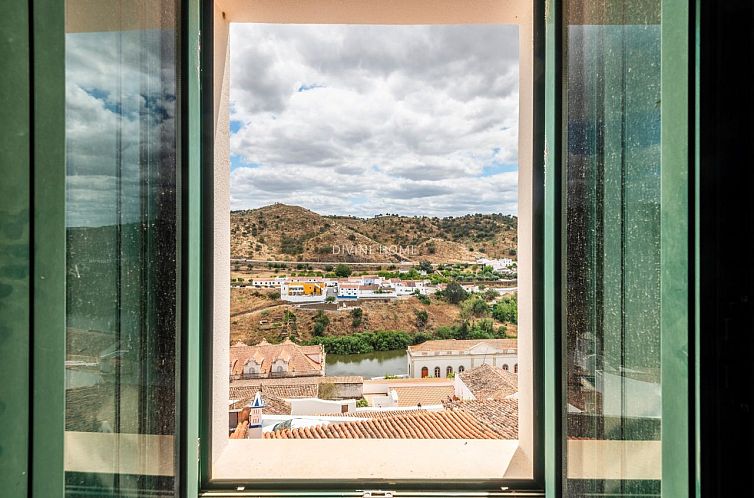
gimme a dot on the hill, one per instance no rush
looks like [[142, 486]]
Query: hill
[[254, 317], [281, 232]]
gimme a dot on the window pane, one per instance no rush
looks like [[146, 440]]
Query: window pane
[[121, 249], [612, 261]]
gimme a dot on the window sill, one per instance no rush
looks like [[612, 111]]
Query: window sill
[[371, 459]]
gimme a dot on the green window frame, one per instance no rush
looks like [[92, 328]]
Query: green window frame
[[32, 255]]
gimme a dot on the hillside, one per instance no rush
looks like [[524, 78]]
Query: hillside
[[254, 317], [291, 233]]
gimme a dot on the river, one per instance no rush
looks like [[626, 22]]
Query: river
[[376, 364]]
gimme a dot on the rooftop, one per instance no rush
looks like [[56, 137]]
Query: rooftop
[[464, 345], [488, 382], [499, 415], [273, 405], [300, 359], [451, 424], [424, 395]]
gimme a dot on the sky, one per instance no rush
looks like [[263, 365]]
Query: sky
[[362, 120], [119, 123]]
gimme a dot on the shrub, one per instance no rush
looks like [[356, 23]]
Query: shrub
[[343, 271], [506, 310], [422, 317], [454, 293], [357, 315], [320, 323]]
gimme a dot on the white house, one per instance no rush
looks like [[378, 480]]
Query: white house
[[268, 283], [452, 356], [496, 264]]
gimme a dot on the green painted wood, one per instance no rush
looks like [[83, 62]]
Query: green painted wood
[[553, 388], [697, 252], [674, 218], [14, 249], [191, 283], [48, 372]]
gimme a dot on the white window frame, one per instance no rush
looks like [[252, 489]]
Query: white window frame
[[377, 459]]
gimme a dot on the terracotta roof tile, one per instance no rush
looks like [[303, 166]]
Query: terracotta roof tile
[[425, 425], [302, 360], [463, 344], [500, 415], [426, 395], [379, 413], [273, 405], [488, 382]]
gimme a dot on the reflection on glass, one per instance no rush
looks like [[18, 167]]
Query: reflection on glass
[[121, 250], [613, 247]]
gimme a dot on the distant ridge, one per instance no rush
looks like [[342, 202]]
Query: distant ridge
[[283, 232]]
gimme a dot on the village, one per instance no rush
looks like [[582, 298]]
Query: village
[[318, 289], [455, 389]]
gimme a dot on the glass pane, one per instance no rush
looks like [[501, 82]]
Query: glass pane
[[121, 211], [612, 265]]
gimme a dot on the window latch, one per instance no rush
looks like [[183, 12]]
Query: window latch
[[377, 493]]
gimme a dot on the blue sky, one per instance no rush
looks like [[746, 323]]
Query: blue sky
[[360, 120]]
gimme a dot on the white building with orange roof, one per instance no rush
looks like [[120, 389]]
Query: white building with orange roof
[[450, 357]]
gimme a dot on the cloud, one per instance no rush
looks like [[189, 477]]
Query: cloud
[[120, 124], [361, 120]]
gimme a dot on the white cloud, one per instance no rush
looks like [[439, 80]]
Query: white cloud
[[120, 125], [360, 120]]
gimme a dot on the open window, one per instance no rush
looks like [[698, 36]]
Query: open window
[[313, 266]]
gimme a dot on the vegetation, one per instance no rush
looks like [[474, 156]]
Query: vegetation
[[389, 340], [362, 403], [357, 315], [320, 324], [425, 266], [506, 310], [283, 232], [422, 318], [364, 342], [343, 271], [454, 293], [291, 245]]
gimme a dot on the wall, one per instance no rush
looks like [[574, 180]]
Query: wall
[[315, 406], [468, 361]]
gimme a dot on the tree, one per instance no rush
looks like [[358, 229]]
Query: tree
[[320, 323], [474, 307], [490, 295], [454, 293], [425, 266], [342, 271], [422, 317], [356, 317], [290, 320], [506, 310]]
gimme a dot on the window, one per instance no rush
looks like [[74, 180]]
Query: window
[[99, 184], [505, 366], [295, 256], [449, 371], [121, 221], [461, 369], [624, 255]]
